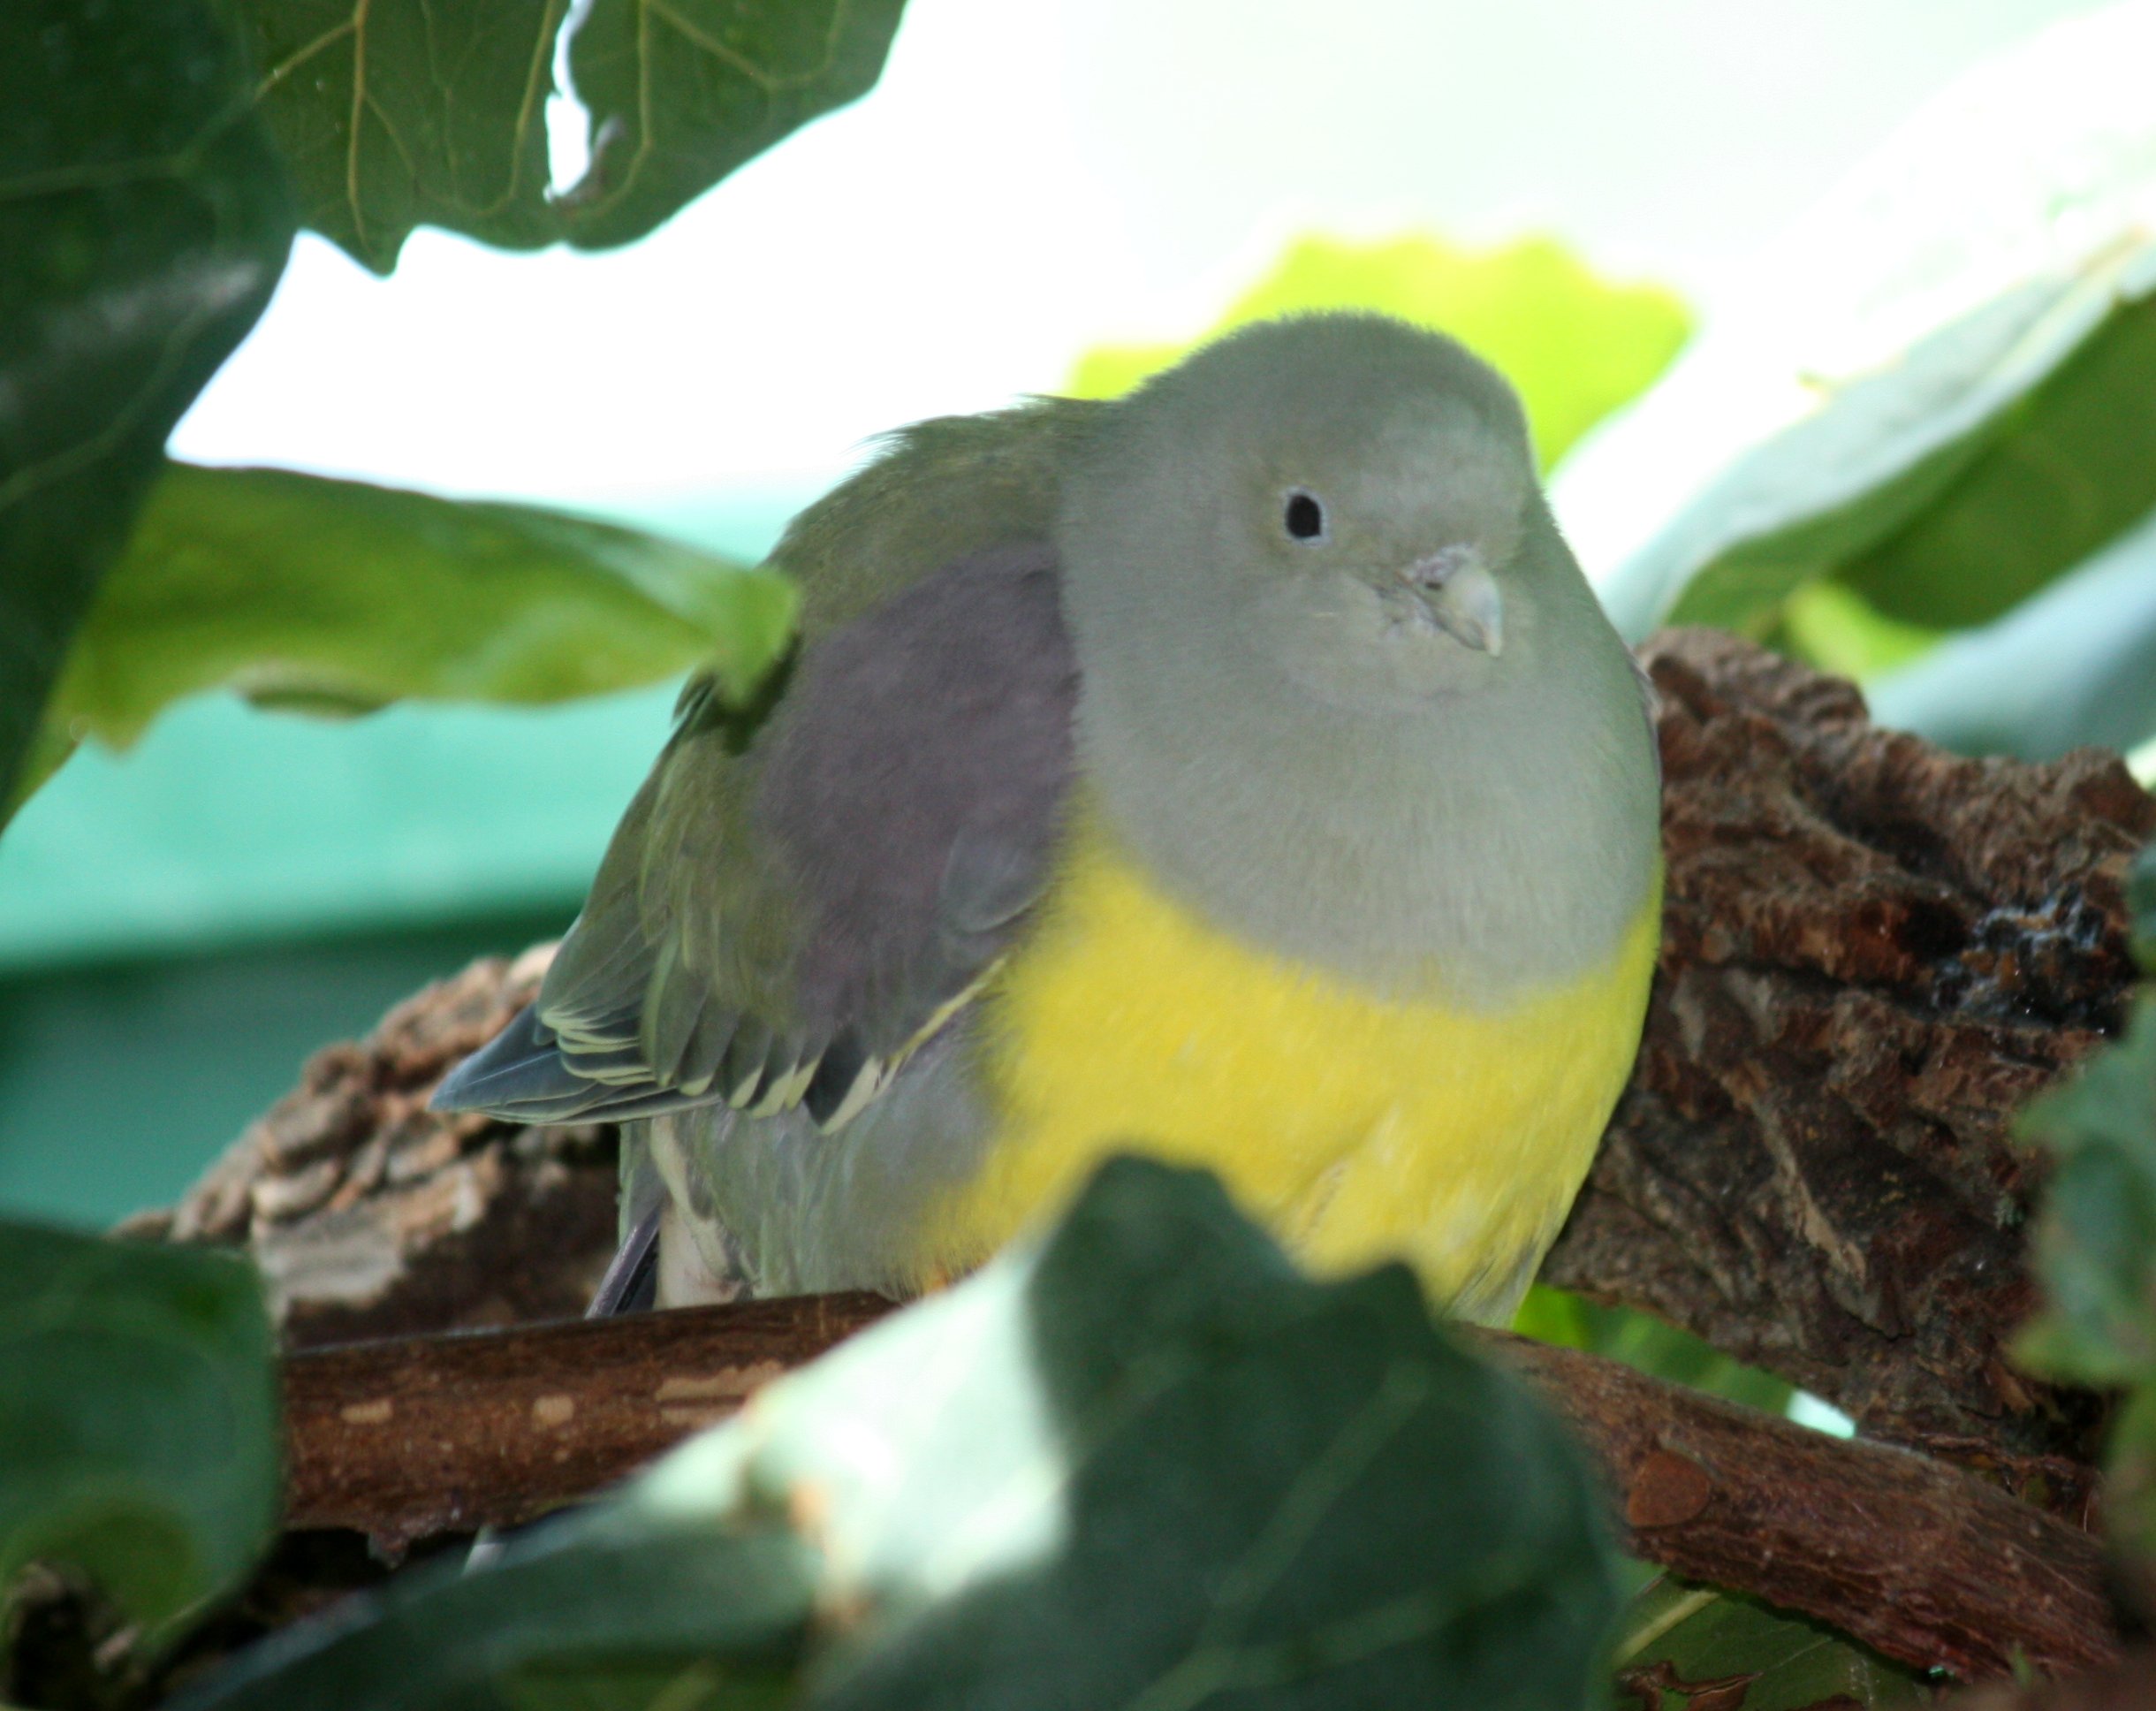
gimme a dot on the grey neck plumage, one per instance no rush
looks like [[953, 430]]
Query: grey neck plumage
[[1483, 848]]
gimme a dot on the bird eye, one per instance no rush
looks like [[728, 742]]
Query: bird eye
[[1304, 517]]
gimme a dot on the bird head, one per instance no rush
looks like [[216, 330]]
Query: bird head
[[1340, 504]]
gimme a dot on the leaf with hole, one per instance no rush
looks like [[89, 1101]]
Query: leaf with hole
[[395, 114]]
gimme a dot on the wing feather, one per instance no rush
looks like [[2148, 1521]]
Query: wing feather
[[801, 893]]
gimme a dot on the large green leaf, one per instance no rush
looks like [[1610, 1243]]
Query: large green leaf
[[138, 1418], [1146, 1464], [400, 113], [1686, 1645], [1935, 387], [143, 222], [336, 596], [1575, 344], [2075, 665]]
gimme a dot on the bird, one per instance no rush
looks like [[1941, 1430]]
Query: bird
[[1241, 772]]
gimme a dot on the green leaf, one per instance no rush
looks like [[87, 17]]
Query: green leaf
[[1922, 392], [396, 113], [2094, 1252], [1575, 346], [1147, 1465], [400, 113], [335, 595], [1648, 1344], [1682, 1641], [1833, 628], [143, 222], [2141, 901], [2095, 1244], [2075, 665], [682, 92], [2049, 482], [138, 1436]]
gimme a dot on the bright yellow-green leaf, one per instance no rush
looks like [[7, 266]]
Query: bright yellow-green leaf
[[1575, 344], [1836, 629]]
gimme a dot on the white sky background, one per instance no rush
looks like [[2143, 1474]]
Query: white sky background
[[1031, 176]]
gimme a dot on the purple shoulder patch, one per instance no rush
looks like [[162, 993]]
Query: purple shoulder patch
[[912, 782]]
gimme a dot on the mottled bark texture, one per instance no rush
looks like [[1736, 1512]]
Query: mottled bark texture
[[1875, 952], [371, 1216]]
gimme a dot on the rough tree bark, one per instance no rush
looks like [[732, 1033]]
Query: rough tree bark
[[1925, 1564], [1875, 952]]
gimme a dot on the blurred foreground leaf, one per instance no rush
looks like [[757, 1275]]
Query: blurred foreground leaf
[[1687, 1646], [1938, 386], [143, 222], [1147, 1465], [1575, 346], [334, 596], [139, 1439], [400, 113]]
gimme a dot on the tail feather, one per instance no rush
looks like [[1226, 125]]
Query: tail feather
[[522, 1075]]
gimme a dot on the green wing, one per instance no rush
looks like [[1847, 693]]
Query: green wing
[[805, 885]]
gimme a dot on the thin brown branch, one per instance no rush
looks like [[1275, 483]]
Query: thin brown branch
[[407, 1437], [1921, 1562], [403, 1438]]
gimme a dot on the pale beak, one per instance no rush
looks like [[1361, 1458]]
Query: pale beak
[[1462, 598]]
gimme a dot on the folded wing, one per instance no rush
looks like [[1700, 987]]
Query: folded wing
[[796, 900]]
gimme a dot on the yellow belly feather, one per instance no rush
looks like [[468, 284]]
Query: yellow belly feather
[[1356, 1129]]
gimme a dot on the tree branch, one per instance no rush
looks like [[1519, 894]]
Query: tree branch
[[1923, 1563], [1874, 953], [1927, 1565], [413, 1436]]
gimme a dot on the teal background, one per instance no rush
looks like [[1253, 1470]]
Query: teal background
[[182, 925]]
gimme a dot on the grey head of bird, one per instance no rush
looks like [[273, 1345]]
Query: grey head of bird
[[1342, 502], [1331, 645]]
